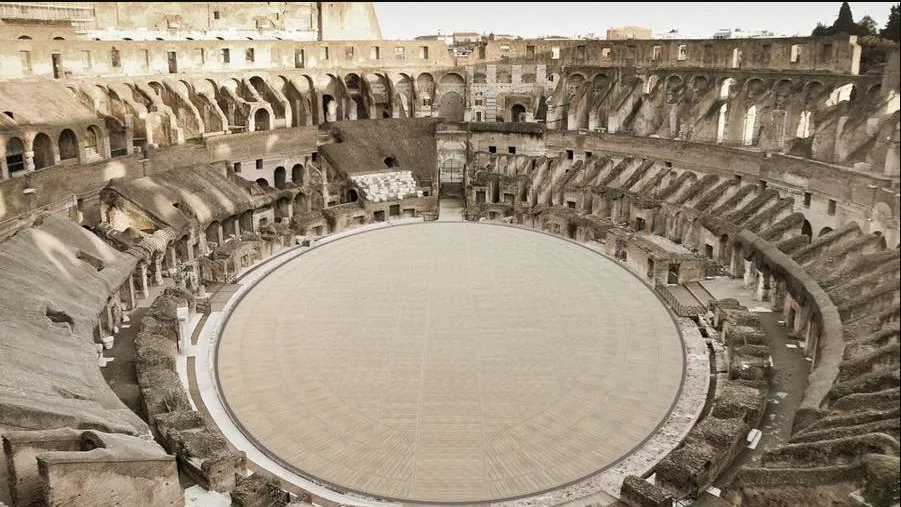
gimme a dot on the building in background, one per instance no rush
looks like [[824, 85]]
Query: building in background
[[628, 32]]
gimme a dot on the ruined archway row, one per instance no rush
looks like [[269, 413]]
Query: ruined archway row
[[794, 113]]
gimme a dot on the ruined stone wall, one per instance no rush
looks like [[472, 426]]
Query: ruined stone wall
[[839, 54], [349, 21]]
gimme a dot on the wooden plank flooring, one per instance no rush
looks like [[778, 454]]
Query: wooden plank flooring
[[450, 362]]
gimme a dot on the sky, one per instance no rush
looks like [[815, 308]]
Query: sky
[[406, 20]]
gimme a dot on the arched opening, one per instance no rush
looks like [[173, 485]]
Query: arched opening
[[43, 151], [261, 120], [806, 229], [825, 230], [212, 234], [882, 243], [118, 139], [24, 37], [68, 145], [59, 38], [750, 125], [263, 182], [803, 125], [329, 108], [15, 155], [279, 177], [724, 248], [297, 174], [354, 86], [352, 195], [390, 162], [721, 124], [726, 88], [518, 113], [92, 142]]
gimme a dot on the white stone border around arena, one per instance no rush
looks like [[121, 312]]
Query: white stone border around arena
[[599, 489]]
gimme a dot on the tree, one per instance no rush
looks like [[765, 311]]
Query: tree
[[845, 21], [867, 26], [892, 30]]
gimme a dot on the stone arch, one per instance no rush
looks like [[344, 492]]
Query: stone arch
[[517, 113], [297, 174], [212, 232], [651, 85], [452, 78], [883, 244], [807, 229], [805, 124], [573, 82], [782, 89], [699, 83], [352, 195], [329, 108], [404, 92], [261, 120], [15, 155], [727, 86], [354, 86], [263, 182], [824, 230], [750, 126], [425, 86], [674, 88], [93, 142], [754, 89], [721, 123], [68, 145], [279, 177], [42, 147]]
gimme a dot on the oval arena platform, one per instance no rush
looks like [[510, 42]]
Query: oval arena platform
[[449, 363]]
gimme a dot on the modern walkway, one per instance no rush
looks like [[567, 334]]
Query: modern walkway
[[789, 380]]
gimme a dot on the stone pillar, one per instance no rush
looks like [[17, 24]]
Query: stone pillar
[[157, 270], [173, 257], [142, 273], [184, 338], [763, 286], [28, 157], [219, 233], [238, 227], [130, 300], [750, 273]]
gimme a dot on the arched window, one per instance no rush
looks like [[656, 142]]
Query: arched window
[[279, 177], [43, 151], [92, 142], [68, 145], [15, 155]]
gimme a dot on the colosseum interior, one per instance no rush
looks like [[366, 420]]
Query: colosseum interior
[[536, 273]]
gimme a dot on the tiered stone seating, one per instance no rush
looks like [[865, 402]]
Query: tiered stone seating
[[380, 187]]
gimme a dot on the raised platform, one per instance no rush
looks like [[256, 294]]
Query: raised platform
[[450, 363]]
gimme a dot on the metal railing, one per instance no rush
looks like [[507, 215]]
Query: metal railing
[[681, 310]]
